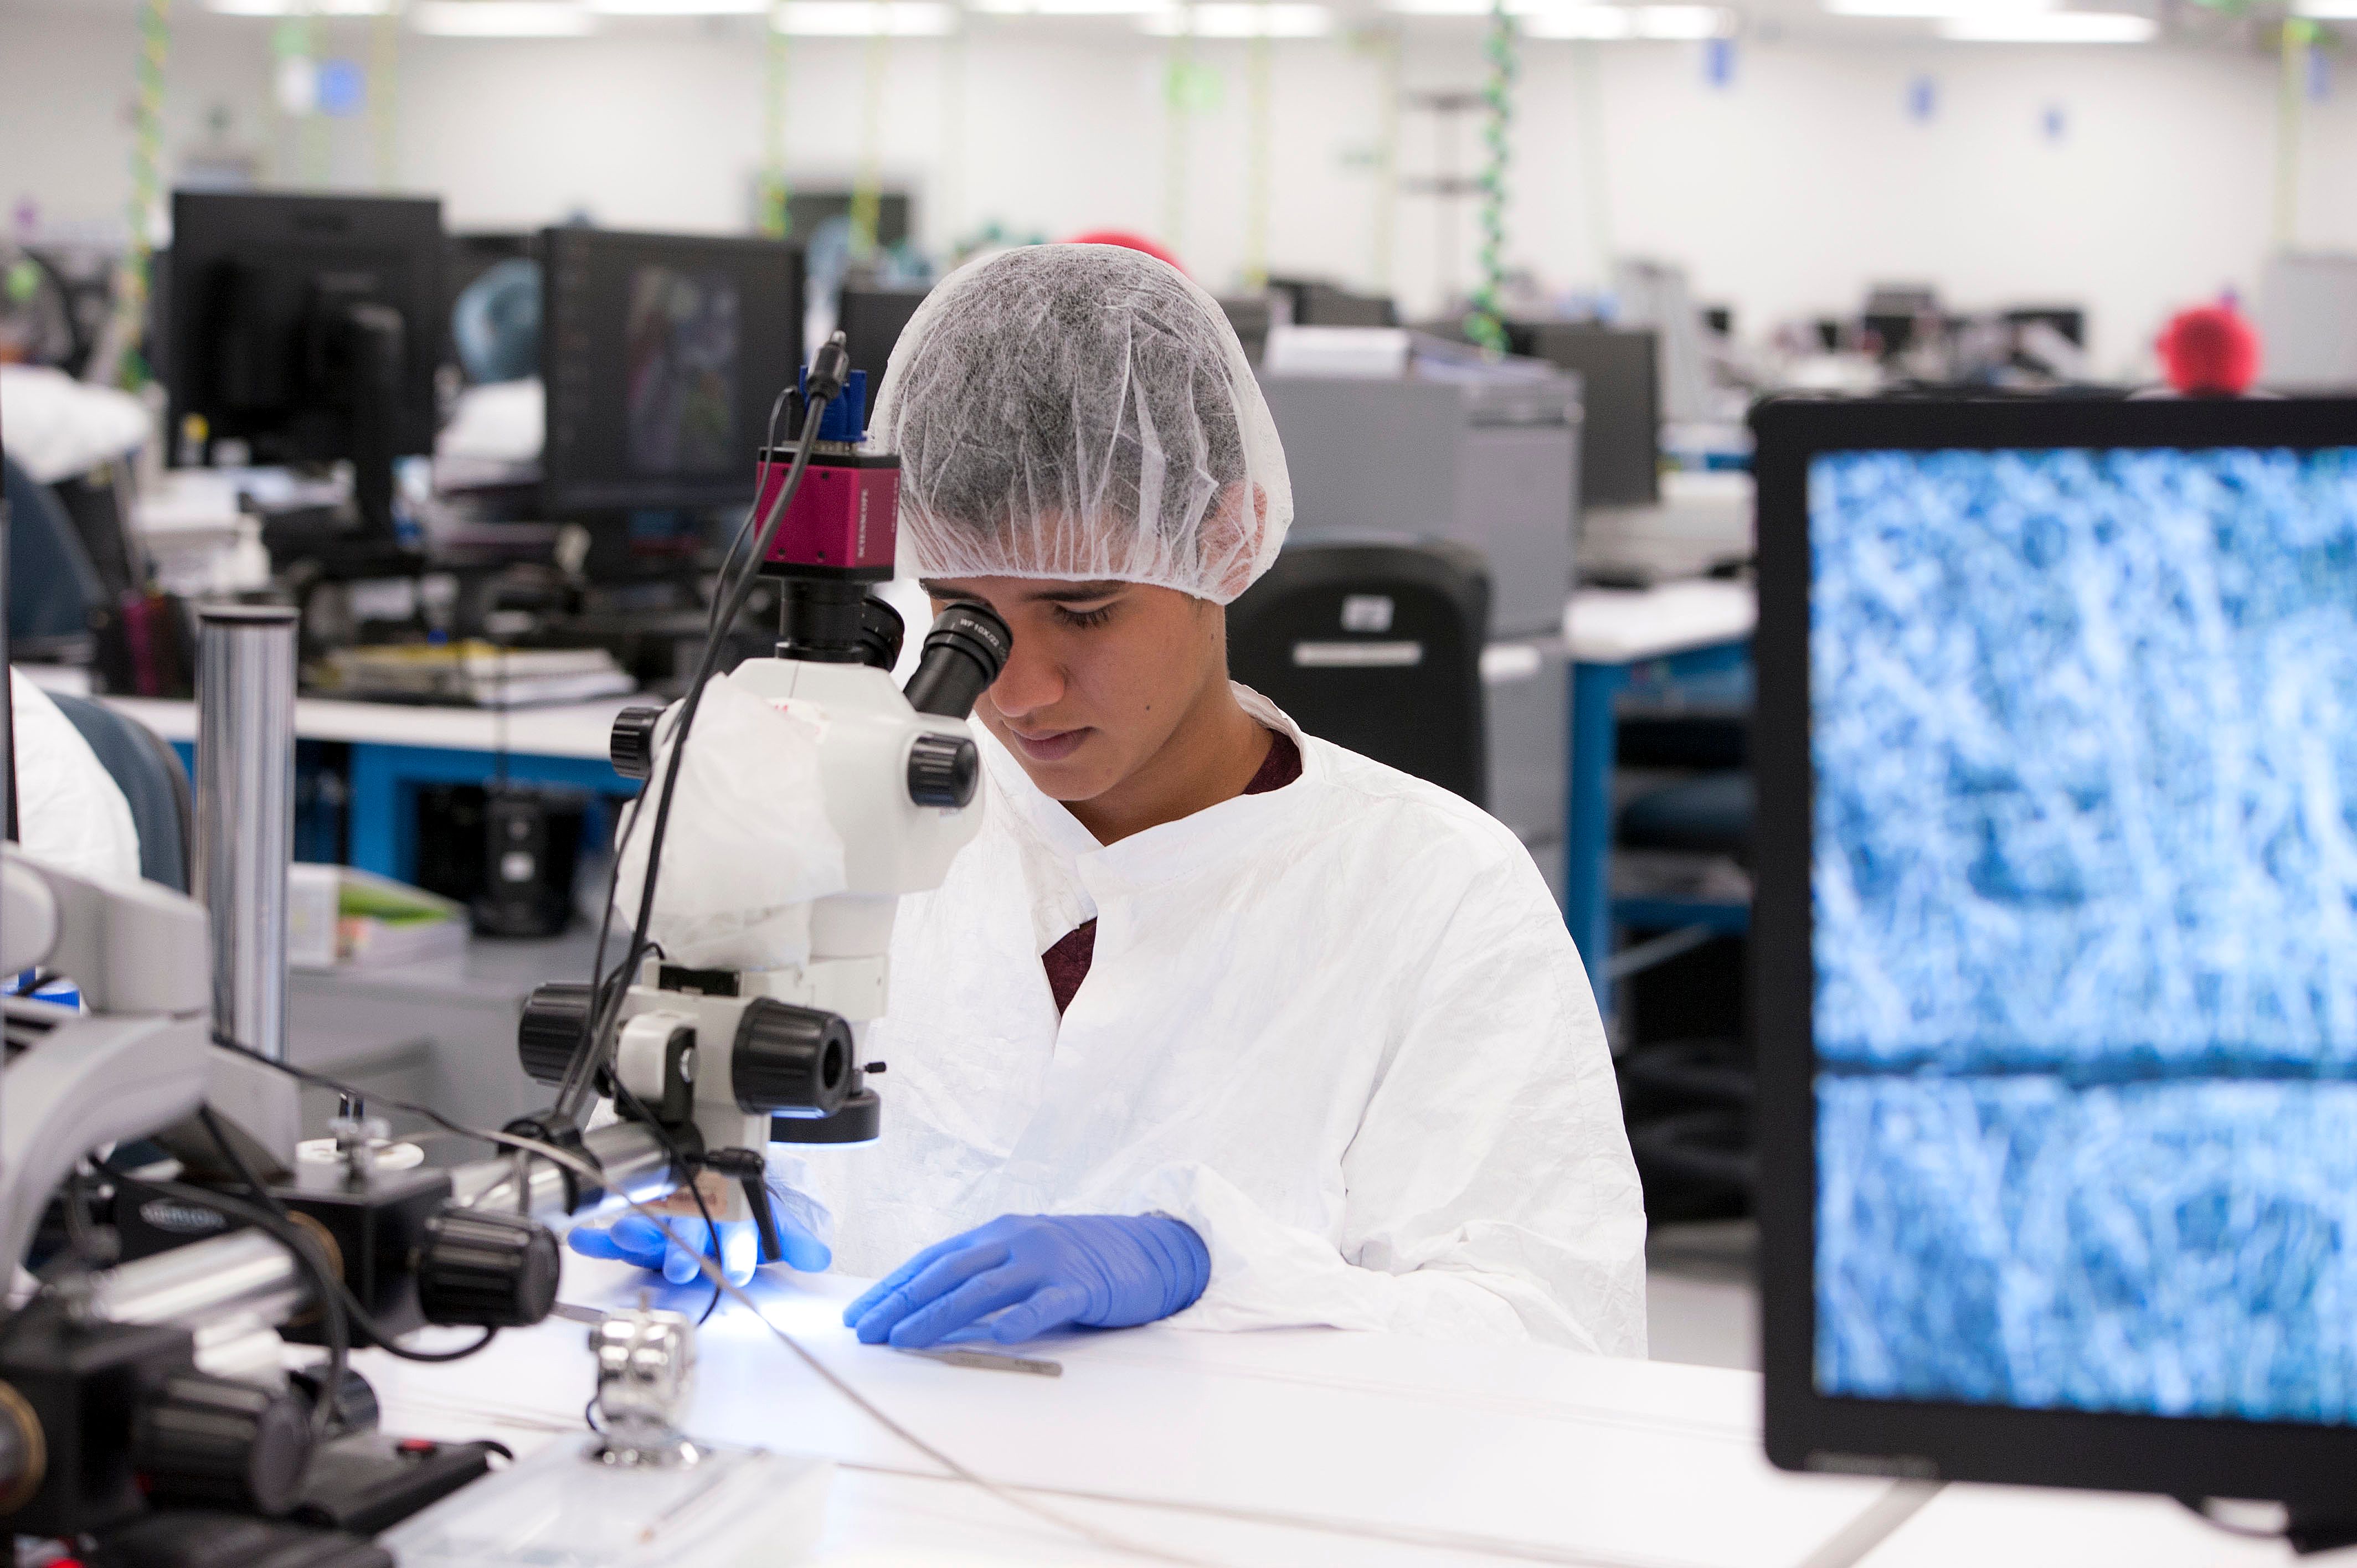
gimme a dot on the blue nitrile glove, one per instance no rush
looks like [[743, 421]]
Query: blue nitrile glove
[[1037, 1271], [673, 1246]]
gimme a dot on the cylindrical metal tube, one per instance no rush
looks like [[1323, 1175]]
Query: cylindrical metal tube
[[246, 1271], [250, 1273], [245, 812], [634, 1161]]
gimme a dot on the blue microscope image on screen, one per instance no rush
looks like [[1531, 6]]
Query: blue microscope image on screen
[[2085, 905]]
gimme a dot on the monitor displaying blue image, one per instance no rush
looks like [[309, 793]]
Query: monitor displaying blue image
[[2084, 728]]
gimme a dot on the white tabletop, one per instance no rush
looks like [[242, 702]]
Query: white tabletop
[[573, 729], [1621, 625], [1371, 1449]]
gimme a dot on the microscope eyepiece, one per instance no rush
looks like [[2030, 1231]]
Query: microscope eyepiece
[[963, 654]]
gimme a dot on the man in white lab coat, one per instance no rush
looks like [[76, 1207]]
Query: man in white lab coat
[[1214, 1020]]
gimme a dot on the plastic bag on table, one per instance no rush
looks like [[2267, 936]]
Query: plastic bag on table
[[748, 844]]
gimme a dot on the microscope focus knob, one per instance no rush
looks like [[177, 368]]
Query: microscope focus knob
[[631, 745], [796, 1059], [555, 1017], [485, 1269], [943, 771], [208, 1440]]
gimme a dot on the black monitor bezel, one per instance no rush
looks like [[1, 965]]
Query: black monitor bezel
[[566, 495], [210, 227], [1806, 1430]]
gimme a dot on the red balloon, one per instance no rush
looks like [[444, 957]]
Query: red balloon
[[2209, 352], [1127, 242]]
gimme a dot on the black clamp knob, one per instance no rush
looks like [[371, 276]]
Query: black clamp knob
[[789, 1059], [752, 1173], [943, 771], [210, 1441], [556, 1021], [632, 743], [485, 1269]]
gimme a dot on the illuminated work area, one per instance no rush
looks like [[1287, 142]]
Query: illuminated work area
[[1039, 781]]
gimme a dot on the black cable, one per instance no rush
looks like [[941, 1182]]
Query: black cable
[[281, 1228], [350, 1303], [587, 1049], [638, 1112], [820, 391]]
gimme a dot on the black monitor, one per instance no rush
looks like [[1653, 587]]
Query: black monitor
[[871, 321], [309, 328], [2056, 985], [1251, 315], [1317, 304], [1619, 370], [662, 355]]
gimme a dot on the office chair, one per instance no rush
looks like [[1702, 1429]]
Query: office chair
[[52, 585], [148, 772], [1375, 646], [1688, 1098]]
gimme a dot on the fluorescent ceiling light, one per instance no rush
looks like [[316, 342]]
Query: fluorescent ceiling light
[[298, 7], [679, 7], [501, 18], [2326, 10], [2052, 27], [1654, 22], [1070, 7], [1243, 19], [867, 18], [1936, 10], [1585, 18]]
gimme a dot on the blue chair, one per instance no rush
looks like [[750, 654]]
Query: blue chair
[[53, 587], [148, 772]]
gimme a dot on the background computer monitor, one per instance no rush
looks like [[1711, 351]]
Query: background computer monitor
[[309, 328], [1620, 393], [2057, 1011], [1317, 304], [871, 320], [662, 355]]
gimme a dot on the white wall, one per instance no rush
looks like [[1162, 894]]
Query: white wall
[[1788, 191]]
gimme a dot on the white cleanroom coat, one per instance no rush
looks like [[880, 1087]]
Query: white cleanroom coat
[[1339, 1028], [68, 808]]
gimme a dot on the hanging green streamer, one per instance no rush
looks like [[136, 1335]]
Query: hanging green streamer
[[867, 187], [1181, 92], [1485, 326], [777, 217], [146, 184], [384, 94], [1256, 168], [2299, 36]]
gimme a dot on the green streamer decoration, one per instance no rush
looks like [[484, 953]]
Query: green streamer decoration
[[1257, 178], [1485, 326], [385, 95], [777, 216], [1180, 92], [867, 187], [147, 185]]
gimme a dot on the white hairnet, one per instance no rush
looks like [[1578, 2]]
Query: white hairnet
[[1082, 412]]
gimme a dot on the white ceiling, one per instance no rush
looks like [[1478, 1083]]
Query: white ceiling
[[2183, 23]]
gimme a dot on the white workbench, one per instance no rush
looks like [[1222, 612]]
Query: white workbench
[[1291, 1447], [1367, 1444], [573, 729]]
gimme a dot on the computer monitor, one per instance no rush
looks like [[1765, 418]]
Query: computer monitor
[[308, 329], [871, 321], [662, 355], [1620, 383], [1317, 304], [1251, 315], [2056, 980]]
